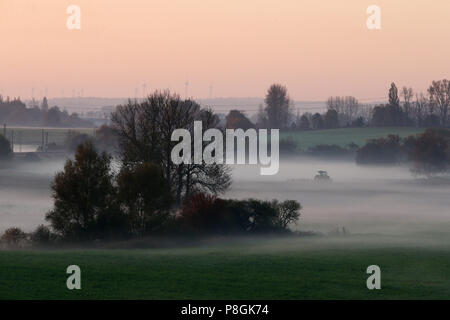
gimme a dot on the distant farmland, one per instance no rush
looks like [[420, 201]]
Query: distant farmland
[[279, 269], [345, 136], [33, 136], [304, 139]]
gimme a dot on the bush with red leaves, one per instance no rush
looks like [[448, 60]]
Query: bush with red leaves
[[203, 212]]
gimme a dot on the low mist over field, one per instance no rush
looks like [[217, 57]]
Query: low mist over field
[[25, 194], [386, 201]]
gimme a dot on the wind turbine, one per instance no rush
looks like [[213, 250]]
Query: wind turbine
[[210, 91], [144, 86], [186, 85]]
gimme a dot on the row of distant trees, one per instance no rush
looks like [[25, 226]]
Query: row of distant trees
[[405, 108], [428, 153], [15, 112]]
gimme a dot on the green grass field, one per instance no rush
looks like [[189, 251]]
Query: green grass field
[[304, 139], [345, 136], [284, 269]]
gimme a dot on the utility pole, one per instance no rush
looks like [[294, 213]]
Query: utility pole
[[12, 141]]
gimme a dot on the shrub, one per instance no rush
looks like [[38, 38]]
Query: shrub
[[287, 146], [208, 214], [204, 213], [358, 122], [267, 216], [430, 152], [287, 212], [42, 235], [381, 151], [13, 237]]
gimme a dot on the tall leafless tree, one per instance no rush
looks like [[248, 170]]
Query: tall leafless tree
[[348, 108], [408, 95], [440, 98], [145, 131], [420, 109]]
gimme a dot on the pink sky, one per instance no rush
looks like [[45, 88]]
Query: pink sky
[[317, 48]]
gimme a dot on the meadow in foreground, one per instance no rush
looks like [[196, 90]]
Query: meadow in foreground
[[304, 268]]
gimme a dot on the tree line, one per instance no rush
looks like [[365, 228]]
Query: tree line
[[404, 108], [15, 112], [428, 153]]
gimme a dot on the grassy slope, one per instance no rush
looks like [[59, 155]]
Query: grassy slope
[[220, 272], [345, 136]]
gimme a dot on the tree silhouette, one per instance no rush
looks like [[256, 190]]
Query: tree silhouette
[[440, 97], [145, 130], [83, 196], [394, 100], [143, 196], [277, 106], [5, 148]]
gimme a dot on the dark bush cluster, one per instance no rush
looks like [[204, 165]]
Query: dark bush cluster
[[382, 151], [208, 214], [42, 236], [287, 146], [428, 153], [13, 237]]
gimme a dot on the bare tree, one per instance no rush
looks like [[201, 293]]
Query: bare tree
[[440, 98], [407, 94], [215, 178], [145, 130], [420, 108], [348, 108], [365, 111]]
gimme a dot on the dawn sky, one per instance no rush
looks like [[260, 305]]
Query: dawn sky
[[239, 47]]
